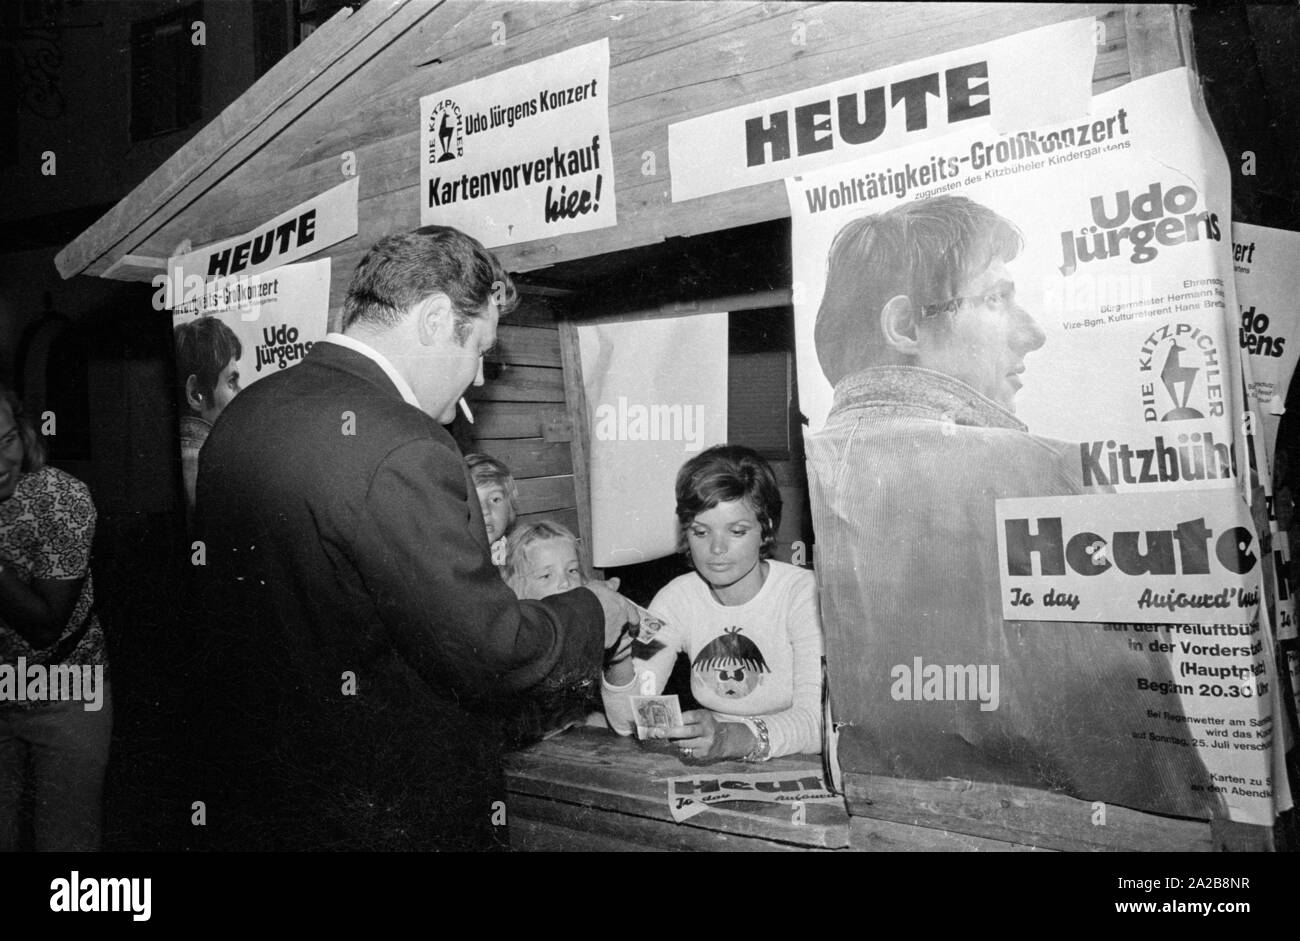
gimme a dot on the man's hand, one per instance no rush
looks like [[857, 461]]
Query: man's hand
[[618, 610]]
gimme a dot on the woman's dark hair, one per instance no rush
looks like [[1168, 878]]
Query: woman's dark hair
[[33, 444], [204, 347], [728, 472]]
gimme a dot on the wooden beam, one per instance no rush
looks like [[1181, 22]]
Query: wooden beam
[[576, 401], [668, 62], [758, 300]]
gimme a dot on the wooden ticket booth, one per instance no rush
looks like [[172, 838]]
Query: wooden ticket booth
[[346, 102]]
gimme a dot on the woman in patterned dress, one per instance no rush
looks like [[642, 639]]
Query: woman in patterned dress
[[55, 710]]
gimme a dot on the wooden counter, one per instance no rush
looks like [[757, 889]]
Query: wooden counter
[[591, 790]]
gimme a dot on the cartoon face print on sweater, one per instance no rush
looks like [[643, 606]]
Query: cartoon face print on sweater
[[731, 665]]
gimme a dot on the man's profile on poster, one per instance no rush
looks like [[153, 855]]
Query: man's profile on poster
[[923, 337]]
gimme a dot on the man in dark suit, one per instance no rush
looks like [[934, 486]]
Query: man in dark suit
[[354, 629]]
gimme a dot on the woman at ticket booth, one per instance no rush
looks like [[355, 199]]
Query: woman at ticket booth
[[748, 623]]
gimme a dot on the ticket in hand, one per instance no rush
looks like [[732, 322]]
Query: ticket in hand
[[655, 712], [650, 625]]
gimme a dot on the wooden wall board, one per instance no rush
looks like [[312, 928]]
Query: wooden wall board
[[513, 419], [1157, 38], [543, 494], [868, 835], [532, 457], [525, 345], [521, 384], [1020, 815], [568, 517]]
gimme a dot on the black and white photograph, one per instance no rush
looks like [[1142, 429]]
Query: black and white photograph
[[530, 427]]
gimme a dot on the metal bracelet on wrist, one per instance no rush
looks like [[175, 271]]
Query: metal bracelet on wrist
[[763, 747]]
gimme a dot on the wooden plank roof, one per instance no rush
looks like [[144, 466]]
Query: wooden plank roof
[[355, 84]]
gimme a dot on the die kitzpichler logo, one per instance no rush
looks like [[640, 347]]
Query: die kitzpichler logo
[[1182, 378], [446, 132]]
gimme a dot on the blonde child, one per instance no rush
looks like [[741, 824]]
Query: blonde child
[[542, 560], [498, 498]]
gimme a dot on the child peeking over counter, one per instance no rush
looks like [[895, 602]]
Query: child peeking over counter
[[748, 623], [498, 498]]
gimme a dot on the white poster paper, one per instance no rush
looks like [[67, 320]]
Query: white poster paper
[[656, 393], [1038, 325], [233, 332], [1129, 557], [1030, 79], [276, 315], [521, 154], [1126, 246], [1266, 264], [301, 231]]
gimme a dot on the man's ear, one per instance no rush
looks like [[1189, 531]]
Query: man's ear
[[898, 324], [433, 317], [193, 397]]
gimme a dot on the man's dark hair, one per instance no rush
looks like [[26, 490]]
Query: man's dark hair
[[204, 347], [723, 473], [401, 270], [925, 250]]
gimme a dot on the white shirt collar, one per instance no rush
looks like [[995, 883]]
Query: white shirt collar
[[379, 360]]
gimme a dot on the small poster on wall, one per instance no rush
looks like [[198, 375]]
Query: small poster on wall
[[239, 330], [293, 235], [521, 154]]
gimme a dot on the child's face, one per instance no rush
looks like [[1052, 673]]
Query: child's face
[[496, 510], [550, 567]]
